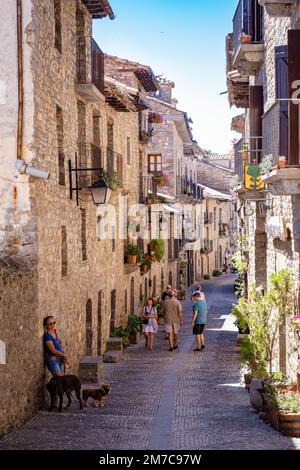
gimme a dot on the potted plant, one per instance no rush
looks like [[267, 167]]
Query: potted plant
[[122, 333], [145, 262], [134, 327], [161, 180], [206, 277], [281, 162], [182, 294], [245, 38], [132, 254], [156, 118], [266, 164]]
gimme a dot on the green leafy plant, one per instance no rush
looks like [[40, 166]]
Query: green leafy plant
[[120, 332], [216, 273], [158, 247], [134, 323], [264, 314], [206, 277], [146, 259], [133, 250], [111, 180], [266, 164]]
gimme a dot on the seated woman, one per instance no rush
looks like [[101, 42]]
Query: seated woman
[[54, 355]]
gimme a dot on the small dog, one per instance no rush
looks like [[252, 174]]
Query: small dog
[[65, 384], [97, 394]]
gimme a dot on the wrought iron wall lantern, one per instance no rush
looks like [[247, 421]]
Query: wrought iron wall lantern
[[100, 190]]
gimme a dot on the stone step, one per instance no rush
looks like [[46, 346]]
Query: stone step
[[113, 356]]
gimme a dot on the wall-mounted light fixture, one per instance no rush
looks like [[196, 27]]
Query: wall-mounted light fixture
[[100, 190]]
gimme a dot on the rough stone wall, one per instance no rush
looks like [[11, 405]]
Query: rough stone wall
[[48, 208], [17, 202]]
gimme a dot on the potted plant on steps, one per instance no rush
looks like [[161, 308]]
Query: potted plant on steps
[[134, 327], [132, 254]]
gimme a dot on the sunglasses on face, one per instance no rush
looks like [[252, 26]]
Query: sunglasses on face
[[52, 323]]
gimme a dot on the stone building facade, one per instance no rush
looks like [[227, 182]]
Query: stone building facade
[[270, 215]]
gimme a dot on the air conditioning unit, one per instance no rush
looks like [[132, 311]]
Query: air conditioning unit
[[262, 209]]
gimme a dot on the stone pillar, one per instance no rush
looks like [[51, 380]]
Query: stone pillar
[[91, 370]]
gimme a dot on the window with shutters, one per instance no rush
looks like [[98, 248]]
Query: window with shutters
[[154, 163], [58, 29], [282, 94], [294, 78]]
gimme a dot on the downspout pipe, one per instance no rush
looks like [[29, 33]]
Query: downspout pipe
[[20, 80]]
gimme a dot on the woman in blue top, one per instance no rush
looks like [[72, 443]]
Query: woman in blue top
[[199, 320], [54, 354]]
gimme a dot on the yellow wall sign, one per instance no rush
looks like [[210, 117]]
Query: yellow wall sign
[[252, 178]]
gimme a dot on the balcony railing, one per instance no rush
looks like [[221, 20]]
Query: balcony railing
[[248, 51], [248, 20]]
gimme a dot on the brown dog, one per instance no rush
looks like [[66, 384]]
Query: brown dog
[[98, 394]]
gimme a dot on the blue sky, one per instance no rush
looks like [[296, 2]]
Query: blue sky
[[185, 41]]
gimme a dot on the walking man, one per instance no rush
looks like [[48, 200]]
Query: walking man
[[199, 320], [173, 320]]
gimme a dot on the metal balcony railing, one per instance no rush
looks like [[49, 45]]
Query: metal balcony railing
[[97, 66], [248, 19]]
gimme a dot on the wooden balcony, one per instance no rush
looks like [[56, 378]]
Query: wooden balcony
[[90, 73]]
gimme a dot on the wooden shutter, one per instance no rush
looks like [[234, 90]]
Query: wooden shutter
[[282, 94], [294, 75], [256, 113]]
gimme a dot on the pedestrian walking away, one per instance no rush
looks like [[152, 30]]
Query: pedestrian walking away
[[173, 318], [55, 358], [199, 320], [150, 326]]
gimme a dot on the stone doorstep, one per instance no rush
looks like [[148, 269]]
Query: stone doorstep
[[113, 357]]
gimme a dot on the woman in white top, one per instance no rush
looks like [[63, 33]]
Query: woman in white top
[[150, 326]]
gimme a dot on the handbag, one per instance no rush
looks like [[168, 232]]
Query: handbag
[[145, 321]]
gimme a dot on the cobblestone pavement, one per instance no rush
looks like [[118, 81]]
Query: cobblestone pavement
[[182, 400]]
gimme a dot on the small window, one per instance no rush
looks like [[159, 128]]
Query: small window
[[128, 151], [57, 17], [154, 163], [64, 252], [60, 146], [83, 235]]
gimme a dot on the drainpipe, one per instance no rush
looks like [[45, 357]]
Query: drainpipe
[[20, 80]]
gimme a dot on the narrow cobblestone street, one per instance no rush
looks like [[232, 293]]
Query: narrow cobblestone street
[[162, 400]]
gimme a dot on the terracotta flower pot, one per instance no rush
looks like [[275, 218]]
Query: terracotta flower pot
[[281, 164], [246, 39], [131, 259]]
